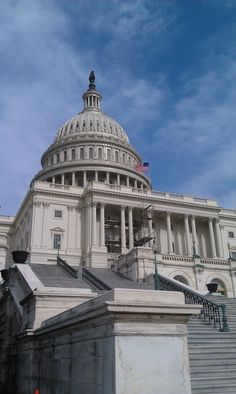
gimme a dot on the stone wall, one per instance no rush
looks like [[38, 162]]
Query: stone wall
[[125, 341]]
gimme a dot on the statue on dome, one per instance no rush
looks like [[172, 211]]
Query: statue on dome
[[92, 80]]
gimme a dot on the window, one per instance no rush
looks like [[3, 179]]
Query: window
[[100, 153], [82, 153], [231, 234], [91, 153], [58, 157], [58, 214], [57, 241], [108, 154], [51, 160], [65, 155], [72, 154], [116, 156]]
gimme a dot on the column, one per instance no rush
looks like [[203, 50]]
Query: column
[[131, 233], [84, 178], [102, 224], [94, 223], [118, 179], [96, 176], [107, 177], [63, 179], [169, 236], [135, 184], [88, 227], [218, 239], [212, 239], [123, 235], [127, 181], [53, 179], [73, 178], [194, 233], [187, 235], [150, 229]]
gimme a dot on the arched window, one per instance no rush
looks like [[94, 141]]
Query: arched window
[[221, 286], [181, 279], [91, 153], [116, 156], [100, 153], [123, 158], [65, 155], [72, 154], [82, 153], [108, 154], [58, 157]]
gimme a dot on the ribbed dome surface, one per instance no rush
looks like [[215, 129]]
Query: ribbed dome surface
[[94, 123]]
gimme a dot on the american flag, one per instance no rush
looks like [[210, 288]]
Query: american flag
[[142, 167]]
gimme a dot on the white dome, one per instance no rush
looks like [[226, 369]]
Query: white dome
[[94, 123]]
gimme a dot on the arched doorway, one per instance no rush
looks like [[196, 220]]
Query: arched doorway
[[181, 279], [221, 286]]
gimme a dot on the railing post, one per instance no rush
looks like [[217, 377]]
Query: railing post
[[225, 327]]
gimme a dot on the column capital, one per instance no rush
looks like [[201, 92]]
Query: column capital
[[210, 220], [102, 204], [186, 215]]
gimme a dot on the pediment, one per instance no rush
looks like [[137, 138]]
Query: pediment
[[57, 229]]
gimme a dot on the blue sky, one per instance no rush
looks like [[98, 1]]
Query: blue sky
[[166, 70]]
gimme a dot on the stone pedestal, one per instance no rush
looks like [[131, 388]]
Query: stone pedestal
[[123, 342]]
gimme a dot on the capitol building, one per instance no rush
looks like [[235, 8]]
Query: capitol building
[[92, 203]]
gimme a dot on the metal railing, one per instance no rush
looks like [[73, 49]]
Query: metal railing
[[211, 313], [92, 279]]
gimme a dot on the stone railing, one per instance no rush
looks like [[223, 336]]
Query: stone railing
[[169, 257], [214, 261]]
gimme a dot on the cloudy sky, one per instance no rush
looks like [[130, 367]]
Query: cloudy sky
[[167, 72]]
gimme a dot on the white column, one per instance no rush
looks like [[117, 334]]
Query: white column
[[118, 179], [194, 233], [150, 229], [102, 224], [168, 227], [73, 178], [53, 179], [187, 235], [88, 224], [123, 235], [127, 181], [63, 179], [212, 239], [94, 223], [84, 178], [107, 177], [131, 234], [135, 184], [96, 176], [218, 239]]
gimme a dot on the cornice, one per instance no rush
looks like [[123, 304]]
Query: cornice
[[150, 200]]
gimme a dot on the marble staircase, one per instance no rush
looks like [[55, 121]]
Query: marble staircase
[[212, 354]]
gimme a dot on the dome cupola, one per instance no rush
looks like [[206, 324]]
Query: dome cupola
[[92, 97], [92, 146]]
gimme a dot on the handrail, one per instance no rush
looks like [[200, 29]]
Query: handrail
[[98, 283], [210, 312], [73, 272]]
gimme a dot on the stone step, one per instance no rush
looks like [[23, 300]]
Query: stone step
[[219, 373], [212, 384], [212, 357]]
